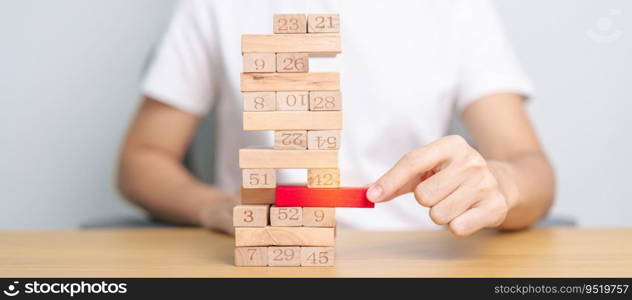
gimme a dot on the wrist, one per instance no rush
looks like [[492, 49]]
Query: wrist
[[504, 174]]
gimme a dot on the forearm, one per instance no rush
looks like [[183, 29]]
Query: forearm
[[528, 183], [159, 184]]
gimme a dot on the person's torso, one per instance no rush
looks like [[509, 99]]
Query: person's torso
[[398, 77]]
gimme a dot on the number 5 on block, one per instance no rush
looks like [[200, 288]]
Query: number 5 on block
[[258, 178]]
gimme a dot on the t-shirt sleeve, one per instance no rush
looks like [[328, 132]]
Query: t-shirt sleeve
[[180, 74], [488, 63]]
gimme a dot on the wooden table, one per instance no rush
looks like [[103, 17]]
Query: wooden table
[[197, 253]]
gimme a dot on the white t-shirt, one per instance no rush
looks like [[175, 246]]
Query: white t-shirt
[[406, 67]]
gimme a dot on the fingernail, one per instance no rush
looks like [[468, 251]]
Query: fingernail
[[374, 193]]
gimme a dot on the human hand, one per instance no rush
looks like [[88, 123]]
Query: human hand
[[451, 178], [218, 214]]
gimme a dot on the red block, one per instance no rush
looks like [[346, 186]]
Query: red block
[[302, 196]]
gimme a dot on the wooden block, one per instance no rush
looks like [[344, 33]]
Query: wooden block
[[259, 62], [292, 120], [290, 140], [270, 82], [253, 178], [323, 178], [292, 62], [309, 197], [319, 23], [319, 216], [323, 139], [292, 101], [290, 23], [257, 196], [324, 100], [284, 236], [259, 101], [284, 256], [286, 216], [251, 256], [317, 256], [288, 159], [250, 215], [319, 44]]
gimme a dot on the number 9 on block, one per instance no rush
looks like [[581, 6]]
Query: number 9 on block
[[259, 63]]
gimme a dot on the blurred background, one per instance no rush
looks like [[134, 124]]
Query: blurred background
[[70, 72]]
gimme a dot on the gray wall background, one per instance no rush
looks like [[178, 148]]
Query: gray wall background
[[70, 69]]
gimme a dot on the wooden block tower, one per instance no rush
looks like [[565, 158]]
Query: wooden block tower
[[291, 225]]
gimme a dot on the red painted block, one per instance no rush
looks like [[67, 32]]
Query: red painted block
[[302, 196]]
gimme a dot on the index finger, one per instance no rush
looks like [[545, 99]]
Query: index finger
[[406, 173]]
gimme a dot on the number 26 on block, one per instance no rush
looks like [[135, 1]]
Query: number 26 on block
[[292, 62]]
